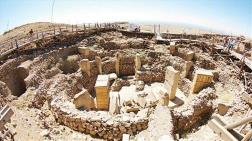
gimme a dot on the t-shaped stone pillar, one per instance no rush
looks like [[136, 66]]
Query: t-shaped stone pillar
[[98, 63], [202, 79], [187, 68], [117, 65], [85, 66], [137, 62], [171, 81], [84, 51], [173, 49]]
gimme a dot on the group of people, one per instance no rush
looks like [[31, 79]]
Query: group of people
[[229, 42]]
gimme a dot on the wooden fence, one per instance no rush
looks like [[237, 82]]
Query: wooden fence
[[12, 45]]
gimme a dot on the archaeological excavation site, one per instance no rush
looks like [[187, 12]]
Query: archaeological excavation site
[[104, 82]]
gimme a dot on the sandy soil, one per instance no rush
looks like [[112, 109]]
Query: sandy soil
[[23, 30], [29, 124]]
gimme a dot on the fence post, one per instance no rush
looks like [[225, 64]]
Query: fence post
[[42, 34], [84, 27], [76, 28], [154, 29], [60, 30], [16, 43], [72, 27], [37, 35], [54, 32]]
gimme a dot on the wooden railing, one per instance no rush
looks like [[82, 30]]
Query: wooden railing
[[12, 45]]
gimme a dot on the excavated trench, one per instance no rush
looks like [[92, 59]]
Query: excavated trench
[[16, 82], [58, 77]]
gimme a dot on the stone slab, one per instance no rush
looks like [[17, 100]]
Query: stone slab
[[114, 103], [178, 100], [202, 79], [84, 99], [172, 77]]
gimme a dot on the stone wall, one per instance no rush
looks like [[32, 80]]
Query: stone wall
[[108, 66], [66, 39], [9, 75], [54, 42], [43, 67], [150, 76], [137, 34], [204, 61], [194, 112], [98, 123], [9, 66], [127, 65], [121, 43], [4, 94]]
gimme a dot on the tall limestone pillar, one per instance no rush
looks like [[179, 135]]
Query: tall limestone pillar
[[85, 66], [99, 63], [172, 77], [117, 65], [137, 62]]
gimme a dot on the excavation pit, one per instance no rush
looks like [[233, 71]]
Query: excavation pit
[[110, 84]]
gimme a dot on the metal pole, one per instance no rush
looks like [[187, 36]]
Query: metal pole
[[154, 28], [159, 28], [52, 11]]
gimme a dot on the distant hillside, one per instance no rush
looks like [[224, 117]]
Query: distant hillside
[[23, 30]]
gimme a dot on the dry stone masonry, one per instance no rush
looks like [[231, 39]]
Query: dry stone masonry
[[98, 124], [119, 85]]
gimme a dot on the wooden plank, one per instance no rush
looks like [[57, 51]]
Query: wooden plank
[[4, 134], [5, 115], [247, 62], [219, 129], [247, 98], [239, 123], [248, 136]]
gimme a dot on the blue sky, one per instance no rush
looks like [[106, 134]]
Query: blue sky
[[233, 16]]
